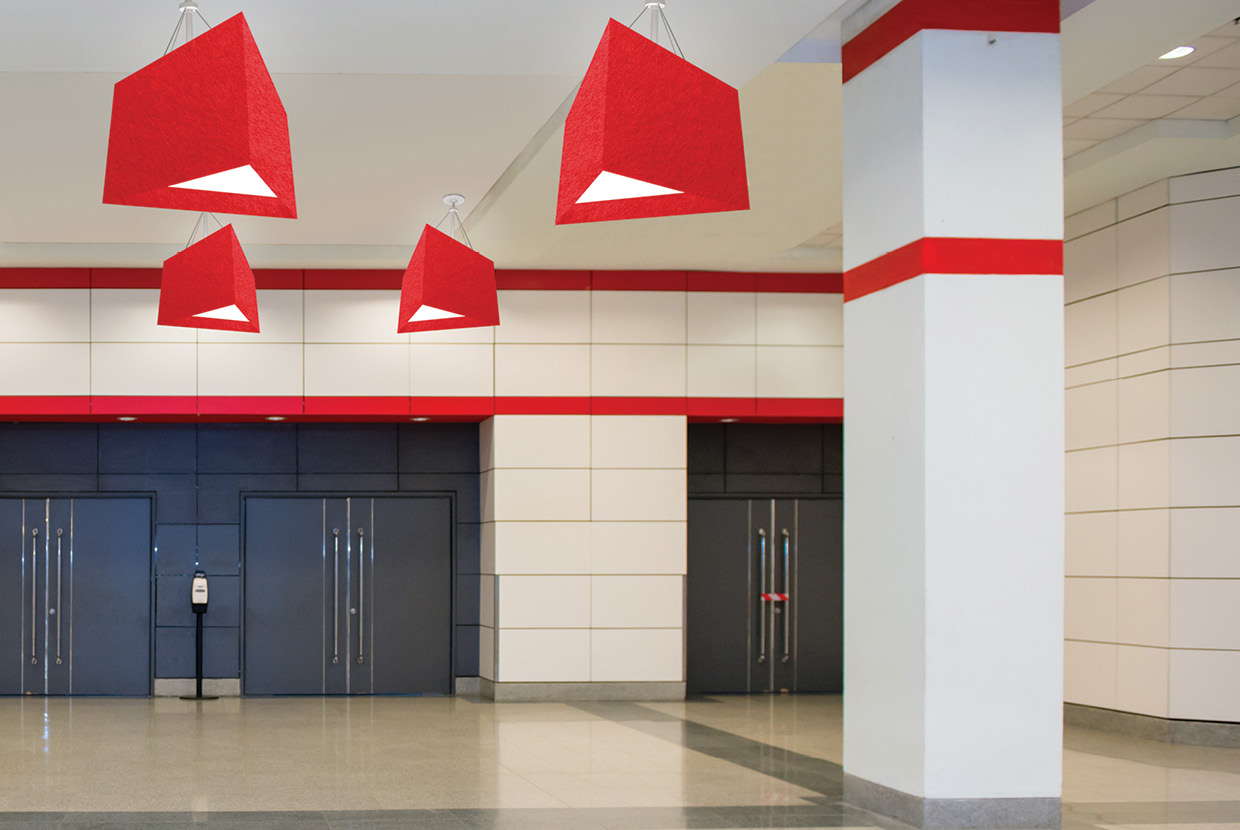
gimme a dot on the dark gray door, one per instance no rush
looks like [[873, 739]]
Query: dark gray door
[[819, 590], [14, 596], [718, 614]]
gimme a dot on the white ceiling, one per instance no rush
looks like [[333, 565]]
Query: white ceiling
[[393, 104]]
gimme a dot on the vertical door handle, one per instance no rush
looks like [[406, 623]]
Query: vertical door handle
[[34, 582], [59, 537], [336, 599], [787, 601], [361, 594], [762, 592]]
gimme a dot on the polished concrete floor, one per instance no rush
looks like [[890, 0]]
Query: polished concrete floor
[[380, 763]]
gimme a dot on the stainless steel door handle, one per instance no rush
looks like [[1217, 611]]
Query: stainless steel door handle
[[361, 594], [787, 602], [336, 599], [59, 536], [762, 596], [34, 584]]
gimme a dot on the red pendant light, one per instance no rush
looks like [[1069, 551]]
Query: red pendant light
[[447, 285], [209, 285], [203, 129], [650, 134]]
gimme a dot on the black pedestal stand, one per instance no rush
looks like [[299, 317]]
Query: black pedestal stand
[[198, 612]]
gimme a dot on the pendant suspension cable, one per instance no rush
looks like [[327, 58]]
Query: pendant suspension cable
[[188, 8], [454, 201], [655, 7], [201, 220], [670, 34]]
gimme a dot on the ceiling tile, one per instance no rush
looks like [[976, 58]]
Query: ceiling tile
[[1091, 104], [1228, 58], [1230, 92], [1139, 79], [1211, 109], [1074, 146], [1099, 129], [1146, 106], [1226, 30], [1195, 80], [1203, 48]]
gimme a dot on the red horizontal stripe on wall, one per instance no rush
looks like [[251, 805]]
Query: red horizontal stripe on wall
[[912, 16], [639, 280], [371, 407], [353, 280], [45, 278], [125, 277], [637, 406], [250, 405], [510, 280], [19, 406], [714, 409], [475, 408], [542, 406], [144, 405], [269, 278], [950, 255]]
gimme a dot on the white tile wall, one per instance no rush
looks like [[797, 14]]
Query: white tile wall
[[1090, 608], [1091, 373], [1091, 480], [800, 319], [1203, 685], [722, 372], [1090, 544], [548, 655], [1143, 612], [1144, 407], [364, 370], [1203, 472], [1202, 306], [639, 441], [486, 653], [1144, 543], [143, 369], [44, 315], [486, 600], [352, 317], [1210, 185], [1090, 330], [1205, 235], [800, 372], [538, 495], [650, 655], [451, 369], [717, 318], [1145, 475], [1144, 316], [637, 371], [636, 601], [1205, 613], [129, 315], [544, 317], [1193, 355], [538, 370], [1090, 673], [541, 547], [1143, 200], [638, 316], [45, 369], [1145, 362], [527, 601], [1204, 542], [242, 369], [638, 495], [1090, 220], [1141, 680], [1205, 401], [280, 318], [1090, 265], [537, 441], [638, 547], [1144, 245], [1091, 415]]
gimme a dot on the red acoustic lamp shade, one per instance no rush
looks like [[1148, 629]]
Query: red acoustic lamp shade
[[447, 285], [203, 129], [209, 285], [650, 134]]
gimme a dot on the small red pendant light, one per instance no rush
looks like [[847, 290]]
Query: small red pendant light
[[448, 285], [209, 285], [650, 134], [203, 129]]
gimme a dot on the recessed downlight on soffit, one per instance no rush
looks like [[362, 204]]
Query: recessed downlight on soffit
[[1177, 52]]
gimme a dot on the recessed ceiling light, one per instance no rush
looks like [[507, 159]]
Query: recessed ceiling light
[[419, 420], [727, 420], [126, 418], [275, 417], [1177, 52]]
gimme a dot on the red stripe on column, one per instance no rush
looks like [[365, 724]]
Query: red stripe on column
[[912, 16], [950, 255]]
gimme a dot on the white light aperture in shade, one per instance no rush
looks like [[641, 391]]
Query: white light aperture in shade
[[429, 312], [228, 312], [608, 187], [1177, 52], [241, 180]]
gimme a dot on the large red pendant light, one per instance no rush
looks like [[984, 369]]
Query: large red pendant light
[[203, 129], [209, 285], [650, 134], [448, 285]]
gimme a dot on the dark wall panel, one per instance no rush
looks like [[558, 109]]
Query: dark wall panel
[[772, 459], [34, 449]]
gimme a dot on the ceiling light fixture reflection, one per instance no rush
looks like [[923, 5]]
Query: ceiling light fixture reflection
[[126, 418], [1177, 52]]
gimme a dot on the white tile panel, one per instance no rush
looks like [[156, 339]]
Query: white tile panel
[[543, 601], [451, 369], [1205, 613], [1203, 472], [280, 318], [637, 317], [1091, 373], [1213, 184], [363, 370], [638, 547], [638, 495], [1090, 674], [1090, 330], [1144, 407], [637, 655], [542, 547], [1144, 543], [1090, 609], [488, 531], [1205, 401], [45, 369], [1203, 305], [546, 655], [250, 369], [1144, 199], [537, 441], [538, 370], [800, 319], [1143, 612], [1090, 415], [1144, 316], [1203, 685], [1144, 247], [471, 334], [539, 495], [637, 601], [353, 317], [1090, 265], [1204, 235], [1091, 480], [44, 315], [637, 371], [1091, 219], [143, 369], [1205, 354], [1142, 683], [1145, 475], [722, 372], [722, 317], [800, 372], [1203, 542], [486, 653], [486, 600], [1090, 544], [129, 315], [543, 317], [1144, 362], [638, 441]]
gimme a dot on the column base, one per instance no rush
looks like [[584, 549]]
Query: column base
[[951, 812], [213, 686], [467, 686], [1152, 728], [525, 692]]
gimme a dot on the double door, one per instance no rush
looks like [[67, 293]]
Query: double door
[[75, 606], [348, 596], [765, 595]]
